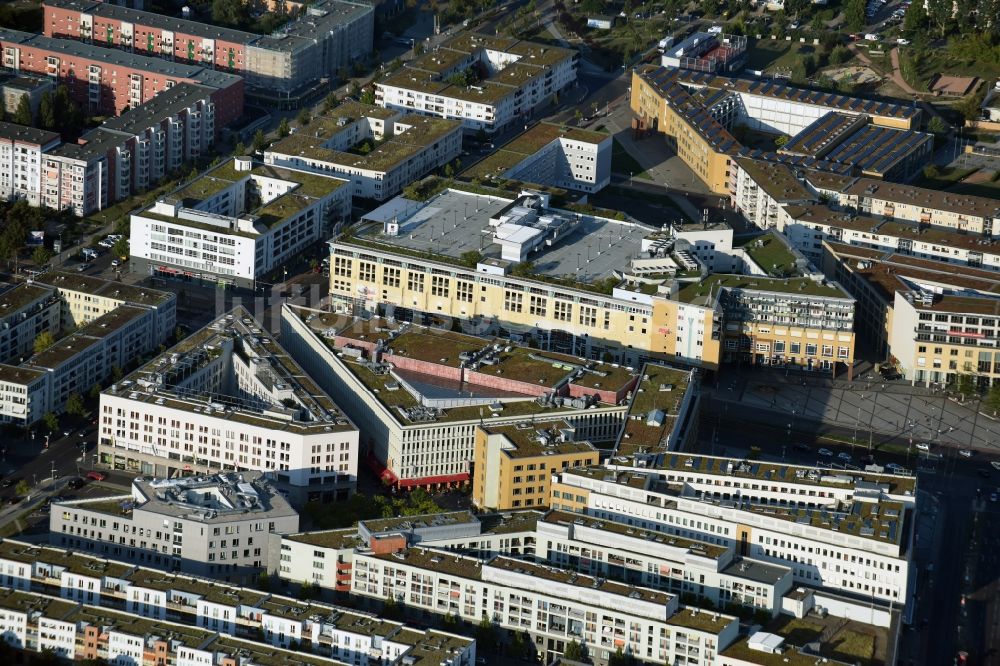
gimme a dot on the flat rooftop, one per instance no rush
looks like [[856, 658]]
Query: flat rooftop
[[80, 564], [24, 134], [409, 523], [771, 252], [456, 222], [29, 602], [112, 289], [922, 197], [656, 400], [524, 440], [19, 296], [346, 538], [530, 142], [211, 591], [312, 409], [706, 292], [693, 546], [778, 180]]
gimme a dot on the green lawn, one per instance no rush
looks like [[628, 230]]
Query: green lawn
[[945, 179], [799, 632], [771, 55], [852, 647], [623, 162]]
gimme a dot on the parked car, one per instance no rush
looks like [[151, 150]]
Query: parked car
[[94, 475], [923, 446], [995, 464], [965, 453], [826, 453], [902, 42], [846, 457], [76, 484], [894, 467]]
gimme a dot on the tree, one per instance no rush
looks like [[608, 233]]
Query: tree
[[304, 117], [239, 149], [120, 248], [936, 125], [22, 488], [839, 55], [95, 392], [41, 256], [965, 384], [179, 334], [470, 258], [47, 112], [368, 96], [50, 421], [22, 115], [854, 13], [43, 341], [74, 405], [619, 658], [69, 116], [915, 18], [449, 170], [486, 632], [574, 651], [992, 399], [230, 12], [116, 373], [283, 129], [330, 102], [391, 609], [259, 141]]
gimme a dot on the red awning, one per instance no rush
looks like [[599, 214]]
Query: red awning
[[431, 480]]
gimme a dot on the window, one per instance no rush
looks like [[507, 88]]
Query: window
[[464, 291], [588, 315], [415, 282], [810, 349], [366, 271], [439, 285], [390, 277], [537, 306], [796, 348], [342, 266], [512, 301], [563, 311]]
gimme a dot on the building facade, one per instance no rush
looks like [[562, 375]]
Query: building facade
[[21, 159], [236, 223], [228, 399]]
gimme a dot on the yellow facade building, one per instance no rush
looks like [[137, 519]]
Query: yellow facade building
[[513, 464]]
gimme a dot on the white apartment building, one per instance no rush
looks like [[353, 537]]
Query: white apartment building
[[415, 437], [215, 526], [520, 76], [549, 154], [228, 398], [21, 154], [124, 613], [27, 310], [843, 531], [618, 551], [553, 606], [236, 223], [810, 207], [113, 324], [325, 557], [398, 149]]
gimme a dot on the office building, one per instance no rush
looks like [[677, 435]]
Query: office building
[[706, 52], [236, 223], [123, 613], [379, 150], [98, 325], [107, 81], [589, 286], [229, 398], [418, 394], [484, 81], [848, 533], [279, 68], [218, 524], [698, 111], [554, 155]]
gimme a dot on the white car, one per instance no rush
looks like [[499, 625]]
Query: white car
[[902, 42], [995, 464], [922, 446], [715, 30], [965, 453], [825, 452]]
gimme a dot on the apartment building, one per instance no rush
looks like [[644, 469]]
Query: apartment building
[[809, 207], [586, 286], [110, 324], [555, 155], [484, 81], [107, 81], [325, 558], [937, 320], [13, 87], [509, 460], [21, 154], [28, 309], [236, 223], [380, 151], [603, 615], [128, 614], [697, 110], [212, 526], [280, 68], [418, 394], [850, 533], [229, 398]]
